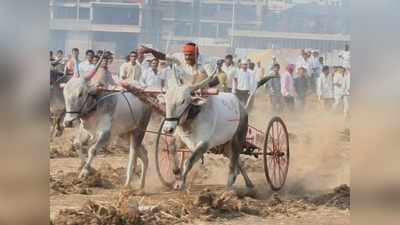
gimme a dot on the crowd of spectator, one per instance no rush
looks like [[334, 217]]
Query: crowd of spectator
[[288, 91]]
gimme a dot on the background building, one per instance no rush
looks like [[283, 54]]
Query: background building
[[218, 26]]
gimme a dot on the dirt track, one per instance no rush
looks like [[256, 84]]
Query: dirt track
[[320, 161]]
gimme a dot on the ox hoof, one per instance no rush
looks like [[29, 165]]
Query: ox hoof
[[84, 174], [58, 133]]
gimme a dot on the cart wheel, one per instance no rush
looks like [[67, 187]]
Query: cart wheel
[[276, 153], [163, 158]]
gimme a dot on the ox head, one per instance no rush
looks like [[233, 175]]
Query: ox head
[[77, 93], [179, 97]]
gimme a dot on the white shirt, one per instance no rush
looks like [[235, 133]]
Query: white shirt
[[301, 62], [345, 59], [85, 67], [315, 65], [246, 81], [259, 73], [231, 73], [151, 79], [287, 85], [325, 86], [344, 85], [144, 65]]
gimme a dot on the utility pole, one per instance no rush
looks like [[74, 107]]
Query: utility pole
[[233, 22], [77, 9]]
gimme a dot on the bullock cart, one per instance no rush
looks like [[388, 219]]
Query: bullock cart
[[271, 145]]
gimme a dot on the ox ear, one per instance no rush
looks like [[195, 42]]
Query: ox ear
[[198, 101]]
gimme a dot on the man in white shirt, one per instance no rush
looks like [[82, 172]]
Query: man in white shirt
[[231, 73], [325, 87], [316, 68], [287, 87], [152, 76], [341, 82], [130, 71], [274, 62], [303, 61], [344, 57], [86, 66], [246, 83], [260, 72]]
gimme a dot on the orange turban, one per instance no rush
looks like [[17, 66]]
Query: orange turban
[[190, 49]]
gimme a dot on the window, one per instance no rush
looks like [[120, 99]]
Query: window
[[63, 12], [208, 30], [84, 13], [114, 14], [183, 29]]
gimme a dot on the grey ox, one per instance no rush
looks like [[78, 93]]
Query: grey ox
[[102, 115], [221, 120]]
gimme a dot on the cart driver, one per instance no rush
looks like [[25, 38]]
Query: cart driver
[[189, 62]]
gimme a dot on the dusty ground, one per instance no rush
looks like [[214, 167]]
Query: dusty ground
[[319, 162]]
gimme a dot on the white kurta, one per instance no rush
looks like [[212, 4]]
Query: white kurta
[[325, 86]]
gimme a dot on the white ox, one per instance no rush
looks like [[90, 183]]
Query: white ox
[[103, 115], [222, 120]]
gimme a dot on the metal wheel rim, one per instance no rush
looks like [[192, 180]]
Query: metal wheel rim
[[276, 156]]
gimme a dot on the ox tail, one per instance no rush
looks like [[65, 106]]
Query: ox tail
[[259, 84]]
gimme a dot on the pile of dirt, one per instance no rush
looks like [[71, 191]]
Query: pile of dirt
[[278, 206], [97, 214], [206, 206], [68, 183], [339, 198], [58, 152]]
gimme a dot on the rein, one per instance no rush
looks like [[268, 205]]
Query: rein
[[93, 107]]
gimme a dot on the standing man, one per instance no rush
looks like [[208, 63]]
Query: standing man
[[287, 87], [341, 82], [325, 88], [130, 70], [231, 73], [86, 65], [302, 61], [274, 90], [274, 62], [152, 76], [345, 57], [300, 86], [70, 67], [59, 63], [259, 71], [316, 68], [222, 77], [245, 83]]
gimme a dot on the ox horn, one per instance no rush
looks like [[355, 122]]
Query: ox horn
[[175, 76], [210, 72]]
